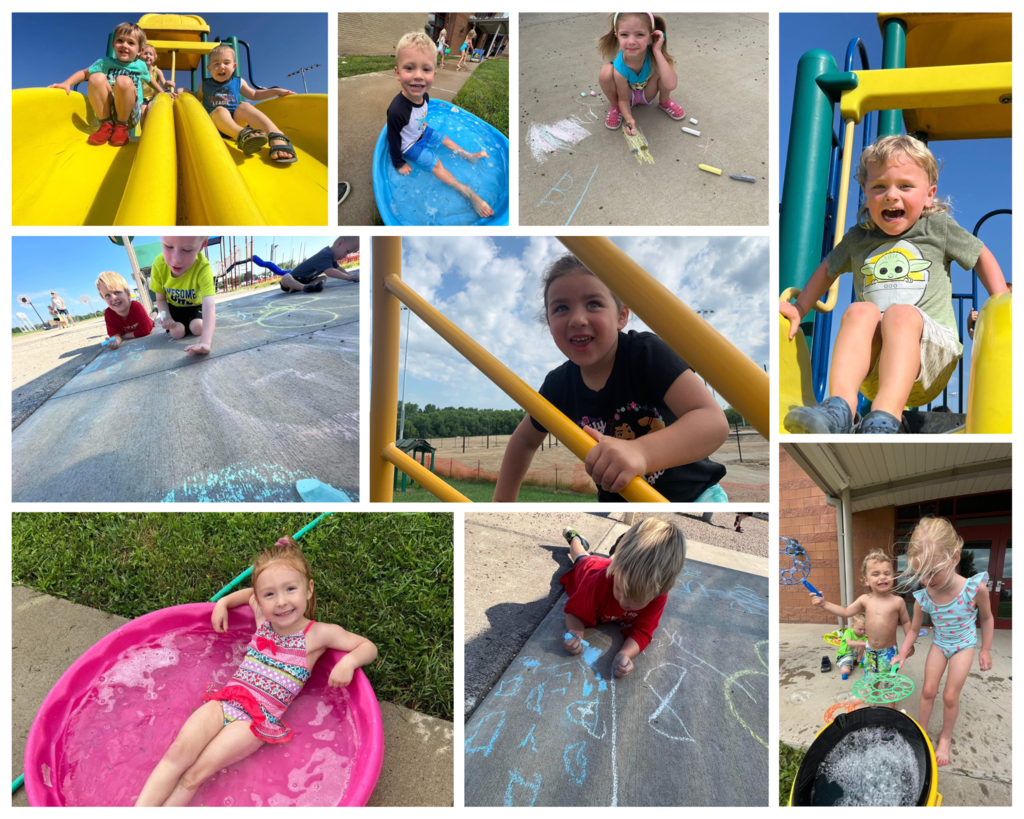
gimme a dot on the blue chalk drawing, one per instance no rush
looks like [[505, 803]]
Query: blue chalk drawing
[[585, 713], [240, 483], [560, 191], [534, 697], [590, 654], [530, 739], [113, 369], [531, 663], [516, 779], [587, 686], [602, 685], [575, 761], [471, 749], [514, 683]]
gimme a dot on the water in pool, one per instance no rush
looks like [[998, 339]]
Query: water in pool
[[129, 718]]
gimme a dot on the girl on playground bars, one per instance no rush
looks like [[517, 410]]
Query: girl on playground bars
[[648, 411], [237, 720]]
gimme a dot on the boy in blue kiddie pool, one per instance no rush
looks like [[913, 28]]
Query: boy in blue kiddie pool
[[410, 139]]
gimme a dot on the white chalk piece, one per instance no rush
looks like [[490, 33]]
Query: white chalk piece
[[741, 177], [693, 120], [691, 131], [314, 491]]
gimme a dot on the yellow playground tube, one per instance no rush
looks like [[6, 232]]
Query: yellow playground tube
[[180, 171]]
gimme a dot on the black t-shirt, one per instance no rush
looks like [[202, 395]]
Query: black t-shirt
[[315, 264], [632, 404]]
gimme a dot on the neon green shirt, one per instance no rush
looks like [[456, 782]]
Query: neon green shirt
[[186, 290]]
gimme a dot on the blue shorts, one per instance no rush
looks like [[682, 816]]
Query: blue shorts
[[420, 152], [713, 494], [879, 660]]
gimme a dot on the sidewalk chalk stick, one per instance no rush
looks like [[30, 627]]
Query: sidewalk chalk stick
[[742, 177], [693, 120], [105, 343], [691, 131], [709, 169]]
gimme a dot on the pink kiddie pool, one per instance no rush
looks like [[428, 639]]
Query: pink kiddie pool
[[114, 713]]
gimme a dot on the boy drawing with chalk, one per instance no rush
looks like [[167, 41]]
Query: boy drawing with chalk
[[630, 586], [126, 319], [183, 282]]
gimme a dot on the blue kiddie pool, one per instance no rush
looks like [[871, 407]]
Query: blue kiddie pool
[[421, 198]]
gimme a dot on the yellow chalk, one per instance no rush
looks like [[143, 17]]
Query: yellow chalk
[[709, 169]]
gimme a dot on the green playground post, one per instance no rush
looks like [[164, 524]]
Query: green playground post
[[894, 54], [805, 186]]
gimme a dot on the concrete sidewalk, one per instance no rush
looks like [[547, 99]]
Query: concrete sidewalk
[[49, 634], [363, 103], [276, 401], [551, 717], [981, 769], [588, 176]]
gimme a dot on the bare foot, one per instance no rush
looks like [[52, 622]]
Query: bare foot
[[474, 157], [942, 752], [480, 206]]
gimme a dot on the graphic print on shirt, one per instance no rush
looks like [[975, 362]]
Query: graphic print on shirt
[[895, 273], [629, 423]]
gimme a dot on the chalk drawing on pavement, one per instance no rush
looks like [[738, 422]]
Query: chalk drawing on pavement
[[532, 788], [530, 739], [239, 483], [484, 725], [665, 719], [576, 761]]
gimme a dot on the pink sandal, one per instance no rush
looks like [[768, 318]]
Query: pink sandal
[[614, 119], [672, 109]]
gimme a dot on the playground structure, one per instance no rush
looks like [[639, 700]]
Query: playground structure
[[180, 171], [739, 380], [946, 76]]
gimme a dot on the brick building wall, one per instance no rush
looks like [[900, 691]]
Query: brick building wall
[[805, 516], [376, 34]]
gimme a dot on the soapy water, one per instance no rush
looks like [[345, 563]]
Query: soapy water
[[127, 721], [422, 199], [871, 767]]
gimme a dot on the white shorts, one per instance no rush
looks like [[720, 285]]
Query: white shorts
[[940, 352]]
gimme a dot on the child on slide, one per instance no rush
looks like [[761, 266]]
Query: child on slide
[[148, 56], [308, 276], [115, 86], [410, 139], [182, 279], [642, 69], [648, 411], [126, 319], [955, 604], [898, 343], [240, 718], [221, 95], [629, 587]]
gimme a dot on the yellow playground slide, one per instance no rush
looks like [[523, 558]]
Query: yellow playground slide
[[989, 396]]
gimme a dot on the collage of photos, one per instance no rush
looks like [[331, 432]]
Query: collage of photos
[[532, 260]]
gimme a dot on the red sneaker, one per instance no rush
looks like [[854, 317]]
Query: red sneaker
[[103, 134], [120, 136]]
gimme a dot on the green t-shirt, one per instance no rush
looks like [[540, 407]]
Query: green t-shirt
[[849, 634], [912, 268], [188, 289]]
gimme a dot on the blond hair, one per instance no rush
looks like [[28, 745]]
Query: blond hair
[[222, 48], [286, 551], [875, 555], [112, 281], [887, 149], [648, 559], [858, 618], [608, 44], [934, 547], [123, 29], [415, 39]]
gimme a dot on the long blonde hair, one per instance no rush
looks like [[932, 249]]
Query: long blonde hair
[[934, 548], [890, 147], [608, 44]]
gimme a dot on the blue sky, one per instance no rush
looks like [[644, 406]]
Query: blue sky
[[279, 44], [976, 174], [491, 288], [70, 265]]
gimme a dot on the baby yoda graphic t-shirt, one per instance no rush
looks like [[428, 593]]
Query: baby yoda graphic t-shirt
[[632, 404], [911, 268], [188, 289]]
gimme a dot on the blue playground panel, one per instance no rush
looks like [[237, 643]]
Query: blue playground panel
[[422, 199]]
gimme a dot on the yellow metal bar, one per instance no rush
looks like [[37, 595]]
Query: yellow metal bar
[[578, 442], [184, 46], [740, 381], [944, 86], [387, 263], [427, 479], [174, 60]]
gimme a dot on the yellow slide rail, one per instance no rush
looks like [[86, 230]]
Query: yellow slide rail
[[739, 380]]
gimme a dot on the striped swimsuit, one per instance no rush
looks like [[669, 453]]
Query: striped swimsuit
[[269, 678]]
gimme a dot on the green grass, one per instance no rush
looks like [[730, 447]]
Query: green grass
[[483, 491], [388, 577], [486, 94], [789, 763], [353, 66]]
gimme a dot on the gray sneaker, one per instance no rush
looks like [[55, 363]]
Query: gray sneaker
[[879, 422], [831, 417], [569, 533]]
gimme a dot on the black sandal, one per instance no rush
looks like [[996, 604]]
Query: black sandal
[[286, 148], [250, 140]]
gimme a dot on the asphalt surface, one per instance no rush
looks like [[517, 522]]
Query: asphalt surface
[[981, 766], [275, 402], [363, 103], [49, 634], [688, 727], [593, 178]]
